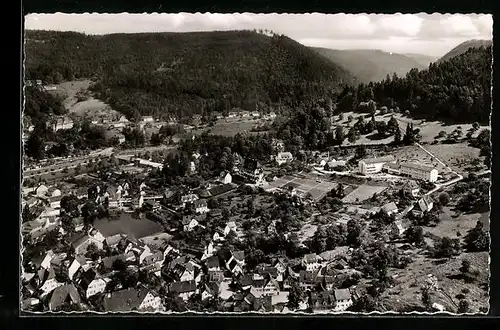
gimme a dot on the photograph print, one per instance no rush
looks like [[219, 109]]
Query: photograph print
[[256, 163]]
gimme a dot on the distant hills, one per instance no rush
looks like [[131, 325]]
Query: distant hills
[[424, 60], [374, 65], [182, 74], [464, 46]]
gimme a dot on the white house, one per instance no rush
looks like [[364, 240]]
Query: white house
[[150, 302], [411, 188], [189, 225], [373, 165], [225, 178], [60, 123], [343, 299], [231, 225], [284, 157], [190, 198], [97, 286], [147, 119], [311, 262], [236, 262], [390, 208], [201, 206], [399, 227], [419, 171], [424, 204], [41, 190]]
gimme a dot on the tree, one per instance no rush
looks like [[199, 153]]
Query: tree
[[463, 306], [477, 239], [69, 204], [253, 258], [353, 232], [365, 304], [35, 146], [360, 152], [89, 212], [92, 252], [465, 268], [339, 135], [444, 198], [295, 294], [415, 234], [426, 298], [446, 247]]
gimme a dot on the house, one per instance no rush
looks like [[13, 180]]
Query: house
[[50, 283], [329, 166], [245, 281], [321, 301], [183, 272], [419, 171], [60, 123], [210, 290], [265, 287], [147, 164], [225, 177], [390, 208], [343, 299], [218, 236], [438, 307], [53, 192], [252, 171], [156, 257], [215, 276], [184, 289], [200, 206], [140, 249], [75, 266], [284, 157], [255, 114], [230, 226], [55, 202], [112, 241], [190, 198], [281, 265], [392, 168], [271, 229], [150, 303], [189, 224], [399, 227], [311, 262], [124, 300], [48, 258], [63, 294], [147, 119], [424, 204], [307, 280], [373, 165], [236, 262], [41, 190], [98, 285], [212, 263], [411, 188]]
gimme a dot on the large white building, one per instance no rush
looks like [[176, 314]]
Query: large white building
[[419, 171], [373, 165]]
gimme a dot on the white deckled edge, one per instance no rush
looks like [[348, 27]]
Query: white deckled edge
[[21, 180]]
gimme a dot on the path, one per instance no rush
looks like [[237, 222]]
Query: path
[[437, 159]]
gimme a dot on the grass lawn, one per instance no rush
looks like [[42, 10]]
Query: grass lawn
[[415, 154], [363, 193], [457, 156], [407, 290], [449, 225]]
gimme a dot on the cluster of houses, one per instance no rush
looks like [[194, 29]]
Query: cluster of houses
[[389, 165]]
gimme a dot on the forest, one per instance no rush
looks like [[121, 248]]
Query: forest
[[457, 90], [182, 74]]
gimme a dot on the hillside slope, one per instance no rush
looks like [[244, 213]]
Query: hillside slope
[[181, 74], [463, 47], [424, 60], [457, 90], [371, 65]]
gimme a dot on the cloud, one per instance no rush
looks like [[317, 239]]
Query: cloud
[[419, 33]]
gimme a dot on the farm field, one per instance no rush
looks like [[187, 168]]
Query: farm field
[[363, 193], [91, 108], [448, 226], [417, 155], [428, 130], [406, 293], [457, 156], [318, 190]]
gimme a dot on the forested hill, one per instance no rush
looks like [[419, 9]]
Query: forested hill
[[457, 90], [463, 47], [185, 73], [371, 64]]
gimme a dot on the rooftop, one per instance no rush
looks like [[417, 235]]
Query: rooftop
[[418, 166], [384, 159]]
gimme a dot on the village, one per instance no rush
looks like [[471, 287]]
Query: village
[[101, 235]]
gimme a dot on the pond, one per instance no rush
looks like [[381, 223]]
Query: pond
[[125, 223]]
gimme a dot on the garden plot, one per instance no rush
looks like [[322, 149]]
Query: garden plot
[[363, 193]]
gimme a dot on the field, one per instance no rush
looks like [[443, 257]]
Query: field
[[318, 190], [428, 130], [417, 155], [449, 225], [306, 232], [229, 127], [363, 193], [126, 224], [406, 292], [457, 156], [92, 108]]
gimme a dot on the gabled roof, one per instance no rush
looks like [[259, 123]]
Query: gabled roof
[[411, 184], [245, 280], [60, 294], [324, 298], [212, 262], [384, 159], [200, 203], [311, 258], [125, 300], [342, 294], [306, 276], [389, 207], [182, 287], [239, 255], [417, 166]]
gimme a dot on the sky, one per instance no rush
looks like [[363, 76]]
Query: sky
[[428, 34]]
